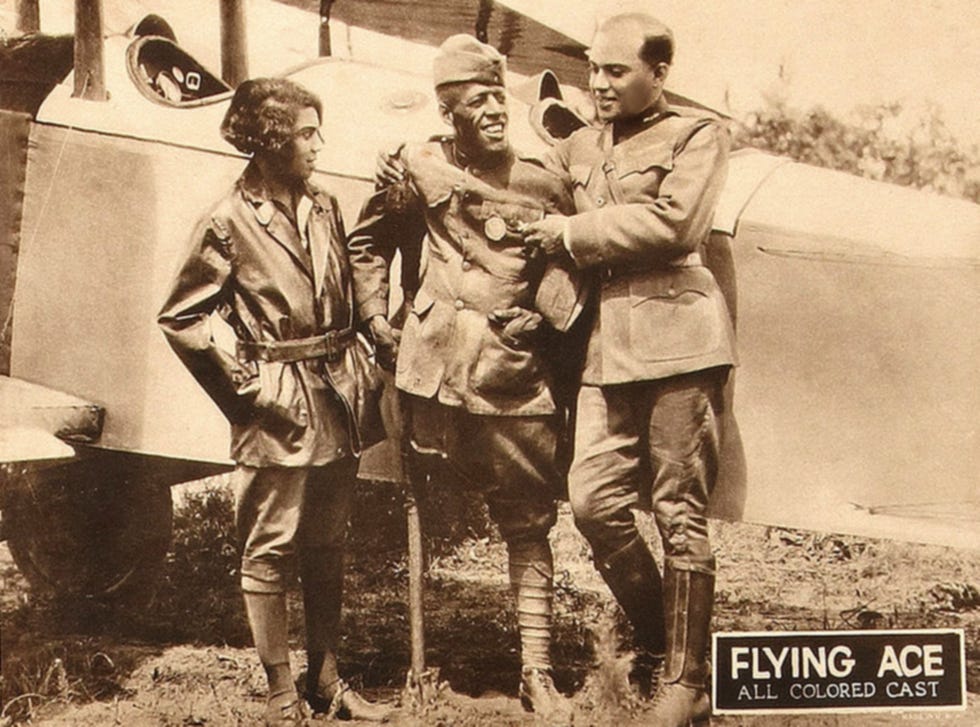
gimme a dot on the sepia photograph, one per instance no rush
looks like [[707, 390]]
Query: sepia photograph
[[489, 362]]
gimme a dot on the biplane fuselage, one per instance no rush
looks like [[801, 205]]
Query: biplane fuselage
[[858, 329]]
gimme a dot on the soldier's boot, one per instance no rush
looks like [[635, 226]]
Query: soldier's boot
[[267, 620], [539, 695], [531, 577], [322, 575], [682, 696], [632, 575]]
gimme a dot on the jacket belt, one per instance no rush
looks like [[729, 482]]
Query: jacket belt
[[330, 345], [691, 260]]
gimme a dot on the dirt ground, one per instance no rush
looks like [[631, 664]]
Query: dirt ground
[[184, 659]]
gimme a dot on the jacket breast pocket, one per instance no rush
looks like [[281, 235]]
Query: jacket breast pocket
[[501, 370], [674, 315], [645, 170]]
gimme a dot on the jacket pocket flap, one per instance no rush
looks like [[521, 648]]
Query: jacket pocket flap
[[669, 286], [643, 160]]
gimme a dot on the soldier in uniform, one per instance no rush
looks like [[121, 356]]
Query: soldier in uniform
[[470, 363], [661, 347], [269, 257]]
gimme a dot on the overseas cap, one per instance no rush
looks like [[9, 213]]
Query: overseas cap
[[463, 58]]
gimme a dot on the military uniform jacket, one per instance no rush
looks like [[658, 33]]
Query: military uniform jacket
[[248, 262], [449, 349], [644, 209]]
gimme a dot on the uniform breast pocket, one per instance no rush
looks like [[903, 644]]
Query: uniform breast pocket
[[644, 170], [673, 316]]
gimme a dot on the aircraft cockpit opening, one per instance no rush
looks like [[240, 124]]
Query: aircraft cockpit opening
[[167, 74]]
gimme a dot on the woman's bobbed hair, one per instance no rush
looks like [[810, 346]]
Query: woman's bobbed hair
[[263, 112]]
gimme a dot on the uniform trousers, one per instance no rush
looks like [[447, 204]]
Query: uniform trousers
[[652, 445], [513, 460], [287, 513]]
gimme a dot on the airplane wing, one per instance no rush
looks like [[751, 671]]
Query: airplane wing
[[533, 38], [35, 420], [859, 346], [530, 45]]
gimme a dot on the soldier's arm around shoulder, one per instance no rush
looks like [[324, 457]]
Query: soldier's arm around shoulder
[[670, 201], [390, 220]]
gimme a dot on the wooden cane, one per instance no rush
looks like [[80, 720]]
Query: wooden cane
[[421, 684]]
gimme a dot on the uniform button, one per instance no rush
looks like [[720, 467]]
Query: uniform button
[[467, 265], [459, 304], [671, 291], [600, 201]]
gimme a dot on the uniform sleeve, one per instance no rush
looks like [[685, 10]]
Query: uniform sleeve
[[660, 223], [201, 286], [382, 229]]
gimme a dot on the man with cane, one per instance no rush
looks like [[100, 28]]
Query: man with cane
[[472, 364]]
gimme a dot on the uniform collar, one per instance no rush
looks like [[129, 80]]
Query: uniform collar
[[460, 160], [626, 128]]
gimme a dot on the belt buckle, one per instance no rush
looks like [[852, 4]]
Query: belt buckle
[[331, 350], [252, 351]]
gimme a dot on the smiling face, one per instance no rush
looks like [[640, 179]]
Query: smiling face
[[478, 114], [298, 156], [623, 85]]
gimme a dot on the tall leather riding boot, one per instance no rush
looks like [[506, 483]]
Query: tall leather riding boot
[[632, 575], [682, 696], [322, 575], [267, 619]]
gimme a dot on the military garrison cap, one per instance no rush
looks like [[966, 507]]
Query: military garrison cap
[[462, 58]]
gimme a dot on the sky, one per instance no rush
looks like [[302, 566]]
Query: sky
[[836, 53], [731, 54]]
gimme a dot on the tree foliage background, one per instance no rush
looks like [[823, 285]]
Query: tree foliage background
[[877, 143]]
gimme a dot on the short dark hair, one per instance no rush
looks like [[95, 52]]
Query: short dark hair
[[263, 112], [657, 49], [658, 41]]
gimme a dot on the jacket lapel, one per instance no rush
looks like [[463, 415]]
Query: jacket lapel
[[284, 232], [274, 220]]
